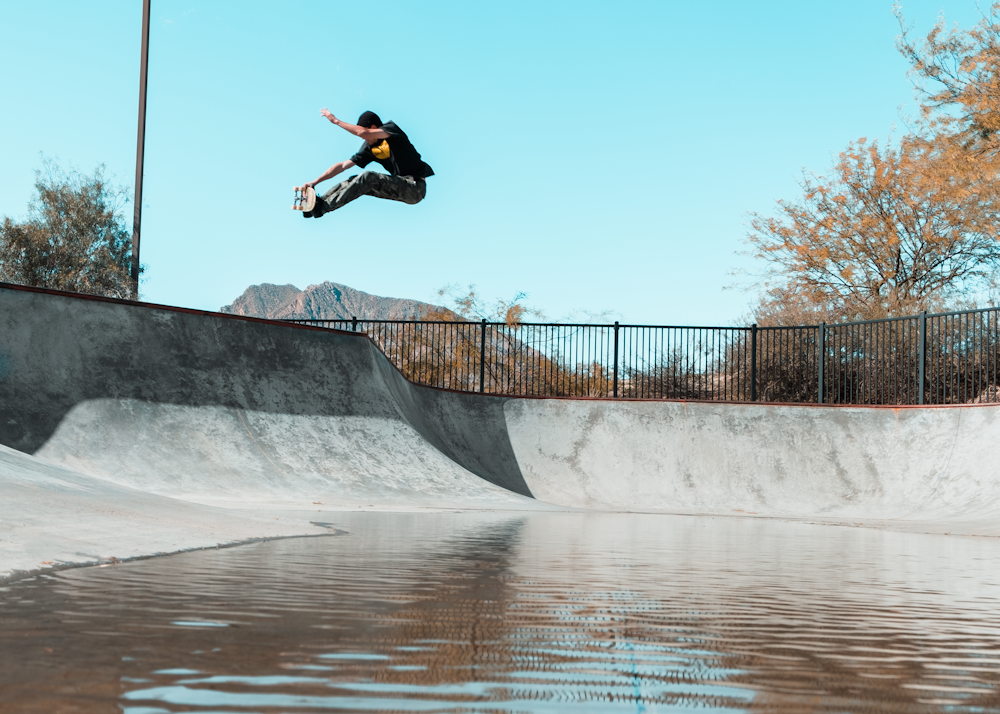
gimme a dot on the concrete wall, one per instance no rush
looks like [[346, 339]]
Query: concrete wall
[[204, 405], [913, 463], [210, 407]]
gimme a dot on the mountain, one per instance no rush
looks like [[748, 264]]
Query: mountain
[[326, 301]]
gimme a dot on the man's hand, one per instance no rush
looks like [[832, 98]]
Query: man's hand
[[369, 134]]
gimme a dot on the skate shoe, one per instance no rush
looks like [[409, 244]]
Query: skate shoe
[[318, 210]]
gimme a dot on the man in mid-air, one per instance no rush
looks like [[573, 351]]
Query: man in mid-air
[[389, 146]]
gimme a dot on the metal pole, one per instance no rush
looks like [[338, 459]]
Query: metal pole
[[482, 360], [753, 362], [822, 358], [615, 373], [140, 149], [922, 356]]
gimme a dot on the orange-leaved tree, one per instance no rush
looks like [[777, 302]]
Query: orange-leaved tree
[[469, 305], [957, 76], [892, 229]]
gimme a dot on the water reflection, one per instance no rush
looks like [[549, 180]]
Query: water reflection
[[535, 613]]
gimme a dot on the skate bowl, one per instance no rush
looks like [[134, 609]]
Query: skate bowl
[[923, 463], [204, 407], [199, 409]]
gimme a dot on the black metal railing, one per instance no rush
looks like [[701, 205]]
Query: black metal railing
[[947, 358]]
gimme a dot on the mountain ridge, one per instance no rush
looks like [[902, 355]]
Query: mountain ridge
[[325, 301]]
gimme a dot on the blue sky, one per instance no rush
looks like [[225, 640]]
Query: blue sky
[[596, 155]]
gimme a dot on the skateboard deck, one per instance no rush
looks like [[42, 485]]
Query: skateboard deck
[[305, 198]]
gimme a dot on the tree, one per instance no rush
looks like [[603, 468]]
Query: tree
[[470, 306], [904, 227], [892, 230], [74, 237], [958, 82]]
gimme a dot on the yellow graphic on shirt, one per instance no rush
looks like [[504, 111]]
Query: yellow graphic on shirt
[[381, 151]]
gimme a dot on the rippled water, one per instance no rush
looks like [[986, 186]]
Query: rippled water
[[525, 613]]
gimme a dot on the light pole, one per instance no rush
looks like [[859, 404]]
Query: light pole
[[140, 148]]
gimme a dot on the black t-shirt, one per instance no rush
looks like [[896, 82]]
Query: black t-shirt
[[395, 154]]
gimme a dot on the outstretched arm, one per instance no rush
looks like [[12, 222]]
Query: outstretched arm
[[358, 131], [331, 172]]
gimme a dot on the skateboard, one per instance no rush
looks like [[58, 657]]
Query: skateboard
[[305, 198]]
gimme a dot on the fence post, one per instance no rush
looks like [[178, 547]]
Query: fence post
[[822, 358], [615, 373], [354, 324], [753, 362], [482, 360], [922, 356]]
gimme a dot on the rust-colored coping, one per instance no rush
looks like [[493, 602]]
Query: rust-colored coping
[[296, 326]]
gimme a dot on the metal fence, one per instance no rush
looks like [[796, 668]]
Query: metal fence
[[947, 358]]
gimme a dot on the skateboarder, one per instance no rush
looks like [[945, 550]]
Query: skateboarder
[[389, 146]]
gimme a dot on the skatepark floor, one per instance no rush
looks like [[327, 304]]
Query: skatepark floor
[[406, 548], [527, 612]]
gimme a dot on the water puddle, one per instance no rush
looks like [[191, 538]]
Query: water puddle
[[519, 613]]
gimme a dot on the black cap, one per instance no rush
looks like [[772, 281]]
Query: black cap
[[369, 118]]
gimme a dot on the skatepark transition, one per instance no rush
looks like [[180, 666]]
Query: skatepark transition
[[128, 429]]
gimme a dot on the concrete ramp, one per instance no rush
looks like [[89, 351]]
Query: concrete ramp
[[51, 516], [234, 411], [232, 456], [252, 415], [914, 463]]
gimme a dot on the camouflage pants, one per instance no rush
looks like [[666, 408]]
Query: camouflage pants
[[370, 183]]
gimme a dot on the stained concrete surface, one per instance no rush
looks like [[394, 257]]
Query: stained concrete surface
[[176, 408], [52, 516], [59, 351], [211, 426], [914, 464]]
